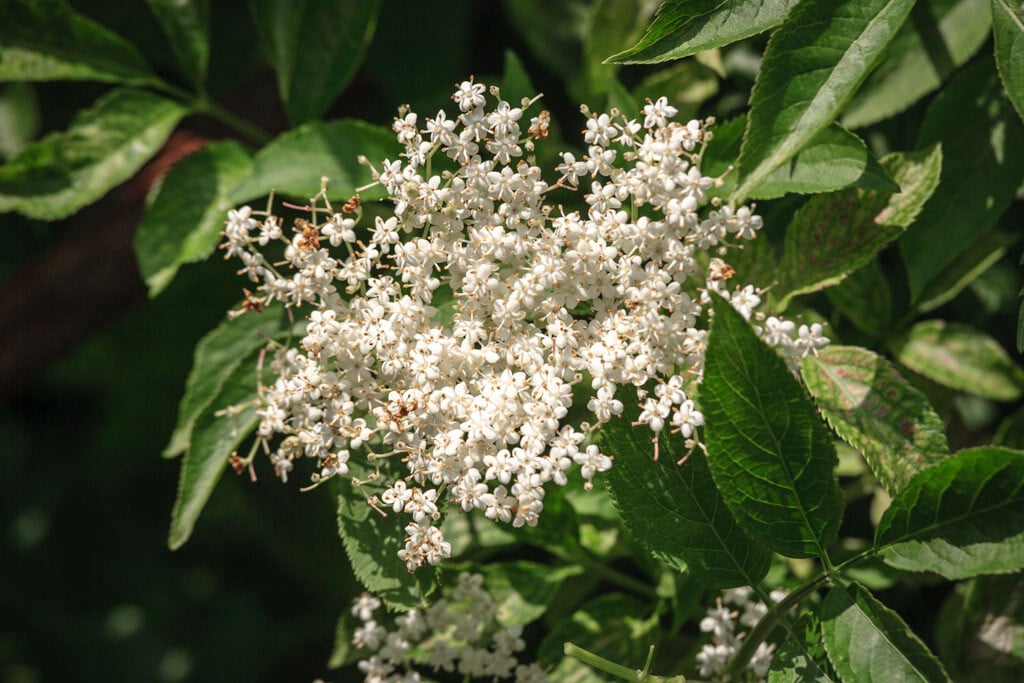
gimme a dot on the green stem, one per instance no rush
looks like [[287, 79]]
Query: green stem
[[625, 673], [203, 105]]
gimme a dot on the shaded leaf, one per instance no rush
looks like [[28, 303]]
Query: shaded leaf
[[981, 170], [675, 511], [939, 36], [980, 630], [960, 518], [982, 254], [685, 27], [833, 45], [613, 25], [104, 146], [687, 85], [771, 457], [45, 40], [961, 357], [213, 438], [184, 221], [554, 31], [186, 25], [217, 357], [867, 641], [515, 81], [874, 409], [836, 234], [344, 652], [865, 297], [523, 589], [294, 163], [19, 118], [315, 47], [1008, 29], [801, 657]]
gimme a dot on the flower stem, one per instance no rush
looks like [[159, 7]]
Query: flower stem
[[625, 673]]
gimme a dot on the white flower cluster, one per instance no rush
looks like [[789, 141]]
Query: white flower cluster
[[736, 608], [464, 333], [458, 633]]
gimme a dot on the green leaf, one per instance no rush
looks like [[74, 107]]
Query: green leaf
[[315, 47], [801, 657], [217, 357], [835, 45], [963, 358], [515, 82], [940, 36], [1008, 29], [524, 589], [186, 25], [620, 98], [45, 40], [687, 85], [867, 641], [554, 31], [213, 439], [982, 168], [982, 254], [104, 146], [771, 457], [294, 163], [615, 625], [865, 297], [686, 27], [980, 630], [675, 511], [372, 542], [834, 235], [19, 118], [960, 518], [875, 410], [613, 25], [184, 221], [833, 160]]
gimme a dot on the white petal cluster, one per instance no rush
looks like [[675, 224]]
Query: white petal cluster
[[736, 609], [465, 333], [458, 633]]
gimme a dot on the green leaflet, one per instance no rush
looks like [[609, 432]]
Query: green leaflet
[[524, 589], [960, 518], [981, 170], [1008, 29], [45, 40], [675, 511], [104, 146], [961, 357], [294, 163], [876, 411], [834, 235], [685, 27], [939, 36], [801, 658], [186, 23], [980, 629], [315, 47], [771, 457], [835, 45], [217, 357], [213, 439], [184, 221], [866, 641]]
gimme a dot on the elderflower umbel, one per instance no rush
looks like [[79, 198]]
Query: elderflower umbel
[[736, 608], [460, 632], [456, 334]]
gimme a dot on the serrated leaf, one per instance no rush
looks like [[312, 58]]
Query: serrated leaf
[[294, 163], [613, 624], [835, 45], [867, 641], [372, 542], [186, 25], [45, 40], [865, 297], [523, 589], [315, 47], [960, 518], [771, 457], [981, 135], [684, 27], [836, 234], [217, 357], [940, 36], [184, 221], [961, 357], [801, 657], [875, 410], [675, 511], [1008, 29], [834, 159], [104, 146], [214, 438]]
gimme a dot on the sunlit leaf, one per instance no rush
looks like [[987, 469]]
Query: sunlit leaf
[[1008, 29]]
